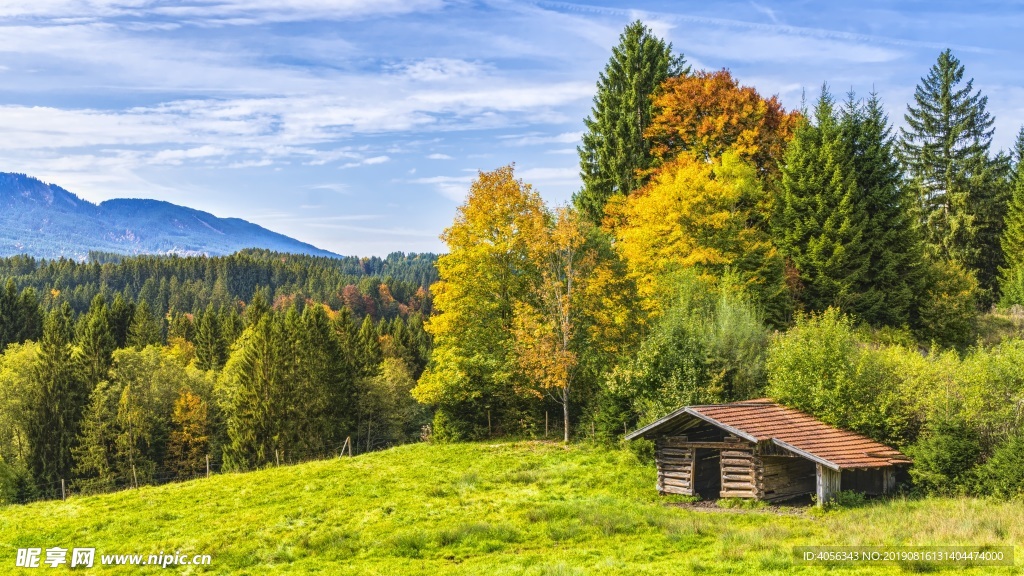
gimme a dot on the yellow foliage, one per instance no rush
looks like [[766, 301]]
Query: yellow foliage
[[694, 214]]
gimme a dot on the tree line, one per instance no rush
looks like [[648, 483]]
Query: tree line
[[126, 392]]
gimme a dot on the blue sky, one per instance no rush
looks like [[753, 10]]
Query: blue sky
[[357, 125]]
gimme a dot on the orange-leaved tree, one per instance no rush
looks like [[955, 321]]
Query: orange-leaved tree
[[709, 112]]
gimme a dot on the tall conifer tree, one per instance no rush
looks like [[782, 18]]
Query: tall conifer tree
[[614, 147], [961, 189], [822, 217], [96, 342], [891, 237], [1012, 240], [60, 397]]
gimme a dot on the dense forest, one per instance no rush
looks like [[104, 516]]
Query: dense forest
[[721, 248], [129, 370]]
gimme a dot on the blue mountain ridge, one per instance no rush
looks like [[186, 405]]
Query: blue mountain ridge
[[46, 221]]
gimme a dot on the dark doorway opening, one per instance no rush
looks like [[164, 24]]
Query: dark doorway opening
[[707, 473]]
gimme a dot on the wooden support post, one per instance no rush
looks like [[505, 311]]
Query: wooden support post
[[545, 423], [135, 477], [207, 465], [488, 423], [277, 457], [63, 493], [828, 483], [348, 440]]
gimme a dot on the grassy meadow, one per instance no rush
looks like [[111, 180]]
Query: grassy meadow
[[482, 508]]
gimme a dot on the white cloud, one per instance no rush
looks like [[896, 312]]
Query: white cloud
[[451, 187], [440, 69], [437, 156], [535, 139], [221, 11], [367, 162]]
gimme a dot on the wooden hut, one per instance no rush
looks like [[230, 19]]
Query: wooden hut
[[759, 449]]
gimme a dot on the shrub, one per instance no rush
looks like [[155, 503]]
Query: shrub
[[1003, 473], [820, 367], [945, 457], [948, 307], [709, 346], [15, 485]]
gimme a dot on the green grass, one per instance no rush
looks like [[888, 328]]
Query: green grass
[[497, 509]]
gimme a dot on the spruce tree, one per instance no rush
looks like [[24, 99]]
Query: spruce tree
[[822, 218], [57, 404], [95, 465], [614, 148], [121, 312], [146, 329], [891, 238], [1012, 240], [369, 347], [8, 314], [211, 350], [96, 342], [30, 316], [961, 190]]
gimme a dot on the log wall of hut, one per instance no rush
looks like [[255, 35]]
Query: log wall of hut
[[675, 466], [740, 469]]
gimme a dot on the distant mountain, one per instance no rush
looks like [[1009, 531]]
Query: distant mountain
[[47, 221]]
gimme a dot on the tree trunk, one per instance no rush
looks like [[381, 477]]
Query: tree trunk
[[565, 412]]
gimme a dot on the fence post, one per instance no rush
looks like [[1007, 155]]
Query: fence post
[[488, 423], [277, 457], [63, 494], [135, 476], [348, 440], [207, 465], [545, 423]]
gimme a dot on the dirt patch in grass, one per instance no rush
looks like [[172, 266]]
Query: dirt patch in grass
[[798, 507]]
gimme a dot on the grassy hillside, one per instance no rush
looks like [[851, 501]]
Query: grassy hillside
[[506, 508]]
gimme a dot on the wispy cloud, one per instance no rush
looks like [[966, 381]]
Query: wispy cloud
[[451, 187]]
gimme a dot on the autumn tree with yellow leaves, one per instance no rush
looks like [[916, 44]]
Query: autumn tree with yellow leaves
[[493, 260], [701, 215]]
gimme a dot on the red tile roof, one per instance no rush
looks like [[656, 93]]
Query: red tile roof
[[763, 420]]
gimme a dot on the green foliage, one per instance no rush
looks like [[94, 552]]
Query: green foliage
[[845, 499], [961, 189], [821, 216], [146, 329], [95, 342], [1012, 239], [945, 456], [819, 367], [708, 347], [16, 485], [948, 305], [843, 218], [20, 315], [614, 149], [95, 454], [55, 403], [1003, 473]]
